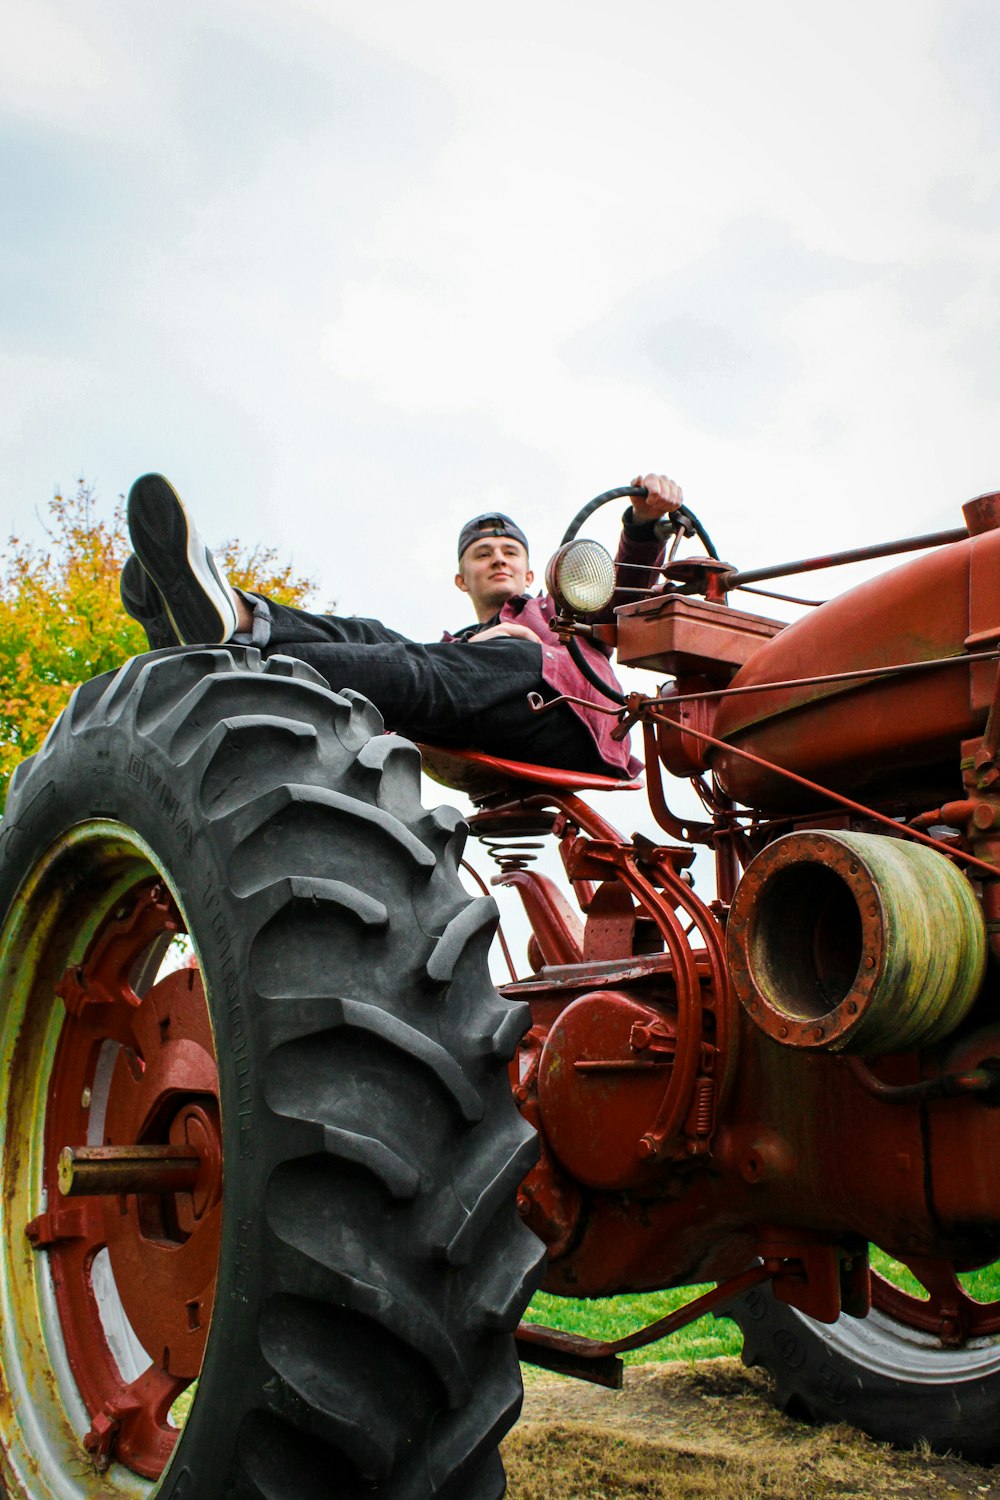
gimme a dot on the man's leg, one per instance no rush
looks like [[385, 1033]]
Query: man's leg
[[555, 737], [469, 696], [435, 692], [273, 624], [201, 606], [463, 694], [173, 586]]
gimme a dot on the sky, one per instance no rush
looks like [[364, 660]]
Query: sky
[[350, 272]]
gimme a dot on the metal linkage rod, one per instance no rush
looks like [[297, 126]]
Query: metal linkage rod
[[892, 669], [854, 554], [599, 1362]]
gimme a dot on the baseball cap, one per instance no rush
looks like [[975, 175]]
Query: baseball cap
[[493, 523]]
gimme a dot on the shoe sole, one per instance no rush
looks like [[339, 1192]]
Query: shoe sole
[[141, 599], [180, 565]]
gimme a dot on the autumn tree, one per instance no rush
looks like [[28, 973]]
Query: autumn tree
[[61, 619]]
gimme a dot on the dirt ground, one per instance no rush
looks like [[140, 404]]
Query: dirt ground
[[688, 1431]]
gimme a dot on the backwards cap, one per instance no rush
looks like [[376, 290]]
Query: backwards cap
[[492, 524]]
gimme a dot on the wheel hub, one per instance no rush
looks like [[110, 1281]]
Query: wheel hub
[[133, 1180]]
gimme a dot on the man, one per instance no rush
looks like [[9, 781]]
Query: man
[[471, 689]]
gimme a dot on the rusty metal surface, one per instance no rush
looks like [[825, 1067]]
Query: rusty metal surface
[[482, 776], [982, 513], [107, 1295], [855, 942], [884, 739], [92, 1171], [678, 634], [160, 1234], [603, 1061]]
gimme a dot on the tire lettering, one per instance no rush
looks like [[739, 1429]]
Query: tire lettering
[[789, 1348], [160, 794], [831, 1384], [755, 1303], [230, 986], [241, 1272]]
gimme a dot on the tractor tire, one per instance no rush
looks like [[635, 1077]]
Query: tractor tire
[[335, 1270], [892, 1380]]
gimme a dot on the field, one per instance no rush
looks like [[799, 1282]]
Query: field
[[692, 1423], [706, 1431]]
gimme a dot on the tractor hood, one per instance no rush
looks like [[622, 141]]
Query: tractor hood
[[880, 740]]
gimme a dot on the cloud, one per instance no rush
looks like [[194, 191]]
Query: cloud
[[345, 270], [61, 67]]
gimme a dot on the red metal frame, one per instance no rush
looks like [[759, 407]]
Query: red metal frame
[[679, 1142]]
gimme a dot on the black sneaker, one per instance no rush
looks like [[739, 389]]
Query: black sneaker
[[142, 600], [197, 598]]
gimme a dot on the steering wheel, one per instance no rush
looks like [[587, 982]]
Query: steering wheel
[[681, 519]]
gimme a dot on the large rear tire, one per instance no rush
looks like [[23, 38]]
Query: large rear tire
[[343, 1278]]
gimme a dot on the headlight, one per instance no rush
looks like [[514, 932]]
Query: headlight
[[581, 577]]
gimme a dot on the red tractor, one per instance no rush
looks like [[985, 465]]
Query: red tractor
[[262, 1130]]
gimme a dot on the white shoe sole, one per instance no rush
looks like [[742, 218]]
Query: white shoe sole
[[197, 598]]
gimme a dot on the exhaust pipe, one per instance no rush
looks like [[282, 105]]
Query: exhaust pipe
[[855, 942]]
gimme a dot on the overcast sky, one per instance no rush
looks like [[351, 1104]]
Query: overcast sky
[[349, 271]]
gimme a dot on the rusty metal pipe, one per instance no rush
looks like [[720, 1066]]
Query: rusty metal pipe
[[893, 669], [985, 1081], [95, 1170], [855, 942], [852, 555]]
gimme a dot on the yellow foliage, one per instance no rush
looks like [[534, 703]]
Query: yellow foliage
[[61, 619]]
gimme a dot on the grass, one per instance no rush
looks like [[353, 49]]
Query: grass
[[615, 1317], [709, 1337], [576, 1461]]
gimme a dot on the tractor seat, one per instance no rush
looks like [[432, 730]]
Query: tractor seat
[[479, 775]]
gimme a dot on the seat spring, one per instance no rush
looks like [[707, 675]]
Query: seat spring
[[510, 854], [705, 1106]]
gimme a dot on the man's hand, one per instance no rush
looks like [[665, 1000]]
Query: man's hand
[[663, 497], [506, 627]]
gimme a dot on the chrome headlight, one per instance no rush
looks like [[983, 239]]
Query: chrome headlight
[[581, 577]]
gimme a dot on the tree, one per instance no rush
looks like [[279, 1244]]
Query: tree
[[61, 619]]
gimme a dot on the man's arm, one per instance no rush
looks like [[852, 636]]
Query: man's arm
[[640, 549]]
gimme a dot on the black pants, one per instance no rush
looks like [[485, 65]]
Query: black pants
[[445, 693]]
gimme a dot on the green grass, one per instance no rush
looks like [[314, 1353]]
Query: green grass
[[614, 1317], [709, 1337], [983, 1285]]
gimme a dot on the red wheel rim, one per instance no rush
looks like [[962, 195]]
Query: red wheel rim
[[948, 1312], [133, 1272]]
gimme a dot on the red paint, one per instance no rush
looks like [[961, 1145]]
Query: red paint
[[163, 1247], [680, 1141]]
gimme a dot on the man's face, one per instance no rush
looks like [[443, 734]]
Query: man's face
[[491, 571]]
